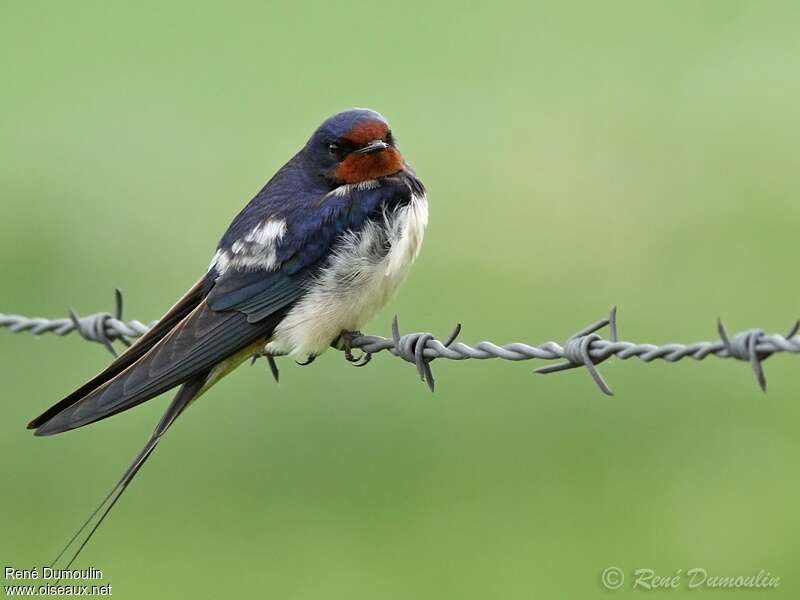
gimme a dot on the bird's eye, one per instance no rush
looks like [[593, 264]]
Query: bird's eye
[[340, 149], [389, 138]]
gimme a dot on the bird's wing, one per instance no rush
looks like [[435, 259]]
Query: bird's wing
[[242, 307], [175, 315], [196, 344], [310, 232]]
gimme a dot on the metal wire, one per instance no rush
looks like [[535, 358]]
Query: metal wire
[[586, 348]]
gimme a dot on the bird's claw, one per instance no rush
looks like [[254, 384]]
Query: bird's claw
[[345, 343], [311, 358], [362, 360]]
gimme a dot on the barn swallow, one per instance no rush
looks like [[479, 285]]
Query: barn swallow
[[310, 259]]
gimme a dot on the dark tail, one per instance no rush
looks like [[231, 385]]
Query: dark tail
[[185, 395], [167, 323]]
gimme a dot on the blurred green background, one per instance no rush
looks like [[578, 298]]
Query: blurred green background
[[577, 156]]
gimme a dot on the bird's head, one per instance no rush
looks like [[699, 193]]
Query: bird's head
[[354, 146]]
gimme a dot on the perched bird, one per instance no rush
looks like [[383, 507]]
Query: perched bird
[[309, 260]]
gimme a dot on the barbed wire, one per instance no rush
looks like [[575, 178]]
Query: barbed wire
[[584, 349]]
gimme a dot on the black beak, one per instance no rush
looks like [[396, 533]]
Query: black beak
[[372, 147]]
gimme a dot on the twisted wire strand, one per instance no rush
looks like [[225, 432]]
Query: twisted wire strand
[[585, 349]]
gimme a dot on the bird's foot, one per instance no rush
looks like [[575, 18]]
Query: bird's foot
[[345, 343], [311, 358]]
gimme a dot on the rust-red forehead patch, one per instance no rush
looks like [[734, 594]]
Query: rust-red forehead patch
[[366, 131], [361, 167]]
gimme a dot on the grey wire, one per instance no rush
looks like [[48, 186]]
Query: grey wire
[[586, 348]]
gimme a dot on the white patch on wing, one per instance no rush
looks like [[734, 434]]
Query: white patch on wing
[[267, 233], [220, 261], [364, 272], [257, 249]]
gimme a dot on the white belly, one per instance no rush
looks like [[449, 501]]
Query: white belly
[[358, 281]]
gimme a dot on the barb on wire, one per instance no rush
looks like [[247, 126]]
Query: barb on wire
[[273, 366], [745, 346], [576, 351], [411, 347], [586, 348], [94, 327]]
